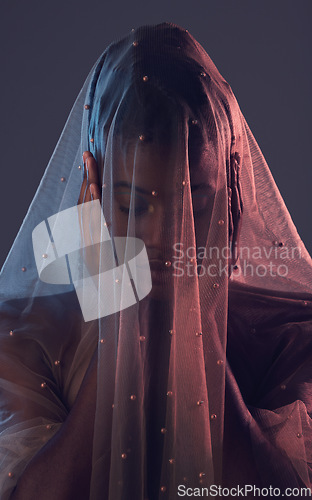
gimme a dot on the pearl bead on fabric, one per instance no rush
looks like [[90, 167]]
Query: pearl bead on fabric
[[92, 140], [135, 43], [171, 332], [213, 416], [11, 333], [48, 427], [169, 394], [201, 475], [142, 338], [145, 78], [171, 460], [283, 387], [154, 193], [57, 362], [141, 137], [221, 222], [10, 474], [124, 456], [43, 385], [44, 255], [133, 397], [102, 341], [63, 179], [299, 435], [163, 489], [199, 334], [86, 106], [163, 430], [167, 263], [24, 269], [278, 243], [200, 403]]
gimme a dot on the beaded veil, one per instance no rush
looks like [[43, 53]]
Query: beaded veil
[[181, 178]]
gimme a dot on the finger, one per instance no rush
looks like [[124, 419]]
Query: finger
[[90, 175], [84, 194], [92, 170], [95, 191], [84, 185], [91, 166], [86, 155]]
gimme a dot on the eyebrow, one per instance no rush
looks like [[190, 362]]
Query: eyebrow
[[126, 184]]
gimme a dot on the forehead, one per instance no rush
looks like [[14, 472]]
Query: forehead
[[156, 160], [172, 148], [150, 166]]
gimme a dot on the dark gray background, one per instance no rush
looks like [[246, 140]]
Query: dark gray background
[[262, 47]]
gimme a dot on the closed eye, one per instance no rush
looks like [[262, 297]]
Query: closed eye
[[137, 211]]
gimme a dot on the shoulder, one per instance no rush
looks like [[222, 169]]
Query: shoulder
[[269, 307], [34, 331]]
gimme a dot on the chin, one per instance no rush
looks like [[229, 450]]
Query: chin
[[161, 287]]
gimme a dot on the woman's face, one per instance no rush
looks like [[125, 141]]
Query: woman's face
[[148, 194]]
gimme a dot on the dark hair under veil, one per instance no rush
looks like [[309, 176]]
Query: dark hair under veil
[[204, 378]]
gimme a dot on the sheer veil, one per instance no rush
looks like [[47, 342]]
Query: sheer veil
[[144, 277]]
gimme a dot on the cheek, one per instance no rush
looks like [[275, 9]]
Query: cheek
[[119, 221]]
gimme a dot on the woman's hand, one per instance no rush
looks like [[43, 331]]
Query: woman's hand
[[90, 189], [90, 215]]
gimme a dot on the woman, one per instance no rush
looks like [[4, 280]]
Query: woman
[[155, 336]]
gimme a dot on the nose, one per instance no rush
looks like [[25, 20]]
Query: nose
[[152, 228]]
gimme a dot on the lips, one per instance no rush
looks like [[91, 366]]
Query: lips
[[155, 254]]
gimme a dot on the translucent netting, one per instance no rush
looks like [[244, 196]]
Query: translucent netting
[[173, 153]]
